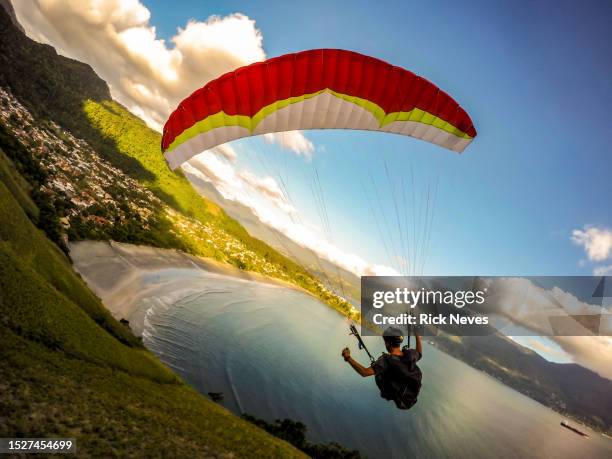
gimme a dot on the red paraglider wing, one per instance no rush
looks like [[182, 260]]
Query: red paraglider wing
[[316, 89]]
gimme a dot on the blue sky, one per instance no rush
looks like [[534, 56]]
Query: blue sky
[[535, 78]]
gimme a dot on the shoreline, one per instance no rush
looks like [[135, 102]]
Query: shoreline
[[122, 275], [125, 277]]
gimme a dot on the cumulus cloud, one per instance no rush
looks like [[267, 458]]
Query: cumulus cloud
[[227, 152], [597, 242], [545, 349], [146, 73], [532, 306], [592, 352], [208, 167], [250, 190], [292, 140], [269, 188]]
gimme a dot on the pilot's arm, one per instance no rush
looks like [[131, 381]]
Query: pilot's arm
[[360, 369], [419, 344]]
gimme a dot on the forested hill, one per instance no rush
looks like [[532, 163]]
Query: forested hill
[[67, 367], [8, 7], [49, 85], [89, 146]]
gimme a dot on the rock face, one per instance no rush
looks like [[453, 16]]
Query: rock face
[[8, 7], [36, 74]]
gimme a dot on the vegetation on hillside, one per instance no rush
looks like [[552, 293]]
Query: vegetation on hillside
[[70, 370], [294, 432], [135, 140], [81, 195], [83, 109]]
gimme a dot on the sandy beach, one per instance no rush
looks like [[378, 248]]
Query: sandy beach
[[121, 275]]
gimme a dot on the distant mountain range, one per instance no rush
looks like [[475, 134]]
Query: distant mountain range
[[567, 388]]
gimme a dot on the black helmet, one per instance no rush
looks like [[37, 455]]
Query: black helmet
[[393, 336]]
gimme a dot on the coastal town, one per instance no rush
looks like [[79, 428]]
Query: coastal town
[[95, 195], [93, 199]]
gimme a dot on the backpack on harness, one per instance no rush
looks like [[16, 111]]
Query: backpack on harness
[[399, 380]]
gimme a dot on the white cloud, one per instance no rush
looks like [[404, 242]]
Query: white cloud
[[603, 271], [531, 306], [208, 167], [268, 187], [144, 72], [543, 348], [597, 242], [592, 352], [226, 151], [264, 197], [292, 140]]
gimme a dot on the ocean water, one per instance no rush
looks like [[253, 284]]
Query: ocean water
[[275, 353]]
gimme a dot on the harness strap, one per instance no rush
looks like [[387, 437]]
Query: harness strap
[[409, 329]]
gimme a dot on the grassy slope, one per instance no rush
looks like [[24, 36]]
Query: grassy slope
[[18, 186], [134, 140], [69, 369]]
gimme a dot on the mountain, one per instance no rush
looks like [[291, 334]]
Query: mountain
[[8, 7], [341, 280], [567, 388]]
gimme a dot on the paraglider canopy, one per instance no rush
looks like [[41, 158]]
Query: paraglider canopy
[[315, 89]]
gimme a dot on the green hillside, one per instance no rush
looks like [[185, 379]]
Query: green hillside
[[55, 89], [135, 140], [69, 369]]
